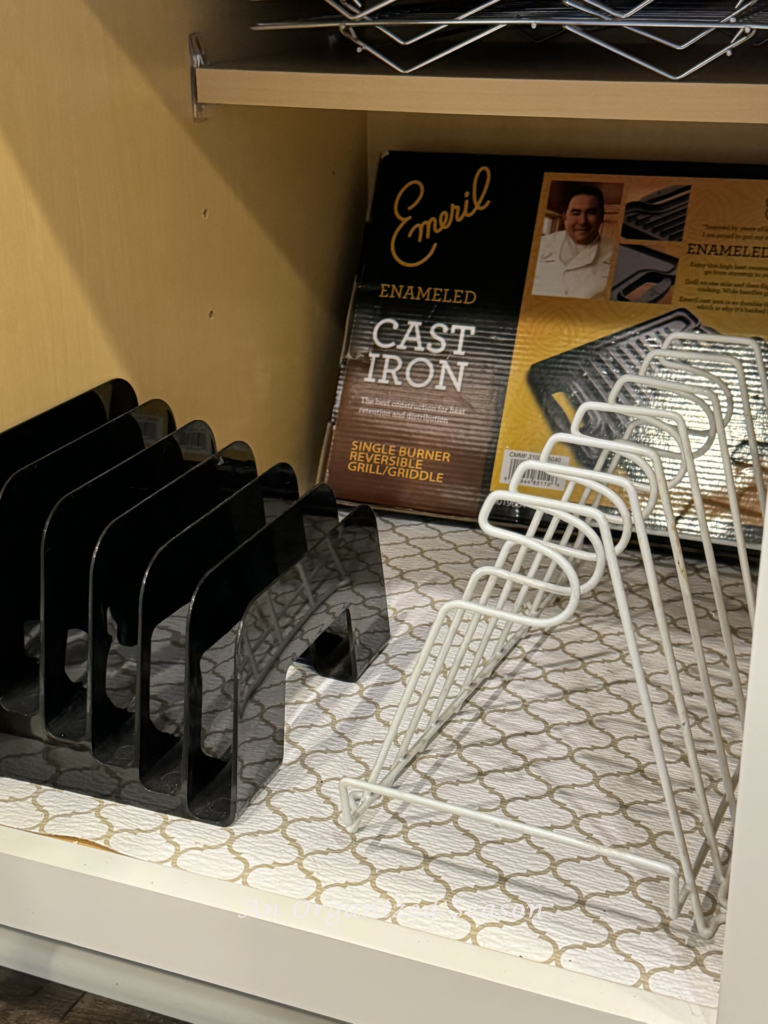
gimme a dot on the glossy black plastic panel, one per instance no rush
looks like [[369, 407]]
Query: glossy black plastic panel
[[305, 586], [168, 587], [69, 539], [26, 500], [120, 560], [31, 440]]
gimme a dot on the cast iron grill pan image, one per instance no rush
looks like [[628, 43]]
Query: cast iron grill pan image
[[642, 275], [587, 373], [659, 216]]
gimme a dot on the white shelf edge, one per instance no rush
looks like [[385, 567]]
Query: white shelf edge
[[137, 985], [363, 971], [635, 101]]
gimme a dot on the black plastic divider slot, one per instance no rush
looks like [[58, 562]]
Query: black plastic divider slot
[[169, 584], [70, 536], [26, 500], [31, 440], [218, 604], [120, 560], [332, 589]]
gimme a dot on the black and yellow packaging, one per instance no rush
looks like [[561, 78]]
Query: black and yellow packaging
[[495, 294]]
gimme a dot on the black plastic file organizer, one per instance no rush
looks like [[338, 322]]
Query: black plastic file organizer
[[130, 523]]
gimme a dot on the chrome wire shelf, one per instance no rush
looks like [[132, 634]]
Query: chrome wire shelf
[[386, 28]]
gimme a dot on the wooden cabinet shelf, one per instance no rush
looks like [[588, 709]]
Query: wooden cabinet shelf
[[510, 81]]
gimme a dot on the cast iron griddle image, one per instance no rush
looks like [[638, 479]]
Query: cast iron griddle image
[[642, 275], [659, 216], [588, 373]]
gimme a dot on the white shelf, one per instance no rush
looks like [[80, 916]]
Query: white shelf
[[82, 913], [505, 85]]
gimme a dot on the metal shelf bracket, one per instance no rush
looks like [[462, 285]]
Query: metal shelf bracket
[[198, 59]]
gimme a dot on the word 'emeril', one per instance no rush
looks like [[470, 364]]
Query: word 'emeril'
[[421, 371], [445, 219]]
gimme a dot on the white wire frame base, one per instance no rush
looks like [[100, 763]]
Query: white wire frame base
[[354, 811], [668, 869], [407, 752]]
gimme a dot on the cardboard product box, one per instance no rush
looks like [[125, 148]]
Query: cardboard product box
[[496, 294]]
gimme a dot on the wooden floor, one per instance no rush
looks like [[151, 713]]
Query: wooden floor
[[28, 1000]]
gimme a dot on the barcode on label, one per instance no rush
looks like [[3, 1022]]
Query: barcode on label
[[197, 441], [152, 427], [533, 477]]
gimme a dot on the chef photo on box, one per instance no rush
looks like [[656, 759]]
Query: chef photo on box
[[576, 250]]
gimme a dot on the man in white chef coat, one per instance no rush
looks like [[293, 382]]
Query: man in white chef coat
[[575, 263]]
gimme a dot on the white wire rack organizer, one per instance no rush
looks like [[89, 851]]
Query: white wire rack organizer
[[692, 34], [663, 423]]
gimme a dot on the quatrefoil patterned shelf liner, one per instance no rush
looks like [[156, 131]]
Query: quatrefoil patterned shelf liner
[[558, 739]]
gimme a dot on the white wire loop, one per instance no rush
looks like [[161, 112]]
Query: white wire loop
[[697, 356]]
